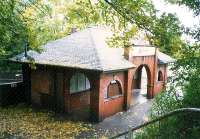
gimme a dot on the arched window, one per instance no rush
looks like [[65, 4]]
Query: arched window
[[160, 76], [114, 89], [79, 82]]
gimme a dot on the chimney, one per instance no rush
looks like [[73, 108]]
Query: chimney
[[127, 49], [25, 49]]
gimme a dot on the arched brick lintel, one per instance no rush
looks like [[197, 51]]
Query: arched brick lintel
[[107, 83], [150, 82]]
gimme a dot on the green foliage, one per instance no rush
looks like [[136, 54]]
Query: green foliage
[[191, 99], [167, 128], [122, 38], [194, 6], [164, 32], [12, 29], [167, 33], [164, 103], [44, 23]]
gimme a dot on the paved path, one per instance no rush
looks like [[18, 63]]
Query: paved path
[[120, 122]]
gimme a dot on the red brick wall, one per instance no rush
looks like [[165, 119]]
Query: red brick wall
[[78, 103], [148, 63], [113, 105], [79, 100], [128, 88], [95, 103], [76, 100], [160, 85], [151, 63], [41, 83]]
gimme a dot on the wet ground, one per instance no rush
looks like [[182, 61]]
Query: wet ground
[[139, 96], [120, 122]]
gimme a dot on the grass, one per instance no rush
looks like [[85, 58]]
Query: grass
[[25, 122]]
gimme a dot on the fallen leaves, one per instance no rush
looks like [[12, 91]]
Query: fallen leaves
[[25, 122]]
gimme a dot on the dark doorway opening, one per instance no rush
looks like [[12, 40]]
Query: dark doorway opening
[[140, 85]]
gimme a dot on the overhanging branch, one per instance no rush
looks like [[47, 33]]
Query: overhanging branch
[[124, 13]]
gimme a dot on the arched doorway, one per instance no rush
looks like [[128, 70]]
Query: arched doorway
[[140, 85]]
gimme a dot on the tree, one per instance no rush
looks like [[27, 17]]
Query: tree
[[167, 34], [126, 18], [164, 32], [13, 32], [12, 29], [194, 6]]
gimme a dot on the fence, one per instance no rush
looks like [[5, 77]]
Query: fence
[[183, 112], [11, 88], [11, 92]]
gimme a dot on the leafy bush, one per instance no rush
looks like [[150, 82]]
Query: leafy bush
[[184, 125], [163, 103]]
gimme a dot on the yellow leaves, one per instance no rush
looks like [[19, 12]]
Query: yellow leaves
[[27, 123], [103, 137]]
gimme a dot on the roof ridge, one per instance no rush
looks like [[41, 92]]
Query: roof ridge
[[95, 48]]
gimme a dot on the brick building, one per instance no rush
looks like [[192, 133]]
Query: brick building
[[81, 73]]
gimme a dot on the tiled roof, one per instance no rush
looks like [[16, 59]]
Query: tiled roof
[[164, 59], [86, 49]]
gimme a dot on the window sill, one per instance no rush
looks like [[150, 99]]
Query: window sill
[[45, 93], [112, 98], [78, 92], [160, 82]]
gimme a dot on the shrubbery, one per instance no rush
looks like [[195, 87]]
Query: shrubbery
[[183, 125]]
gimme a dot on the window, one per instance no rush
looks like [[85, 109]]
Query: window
[[114, 89], [79, 82], [160, 76]]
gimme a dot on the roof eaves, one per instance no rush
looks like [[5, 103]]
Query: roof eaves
[[117, 70], [75, 67]]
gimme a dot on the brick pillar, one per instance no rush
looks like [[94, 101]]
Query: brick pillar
[[151, 83], [150, 89], [26, 70], [66, 87], [96, 98], [128, 88], [155, 72]]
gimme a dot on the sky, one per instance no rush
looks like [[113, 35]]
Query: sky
[[184, 14]]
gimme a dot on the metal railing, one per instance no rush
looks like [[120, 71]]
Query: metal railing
[[165, 116]]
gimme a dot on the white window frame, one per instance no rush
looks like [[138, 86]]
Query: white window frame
[[79, 83]]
